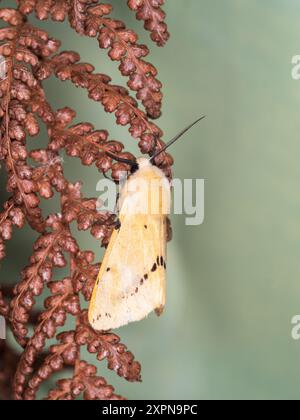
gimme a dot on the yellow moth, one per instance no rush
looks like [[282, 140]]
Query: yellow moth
[[132, 279]]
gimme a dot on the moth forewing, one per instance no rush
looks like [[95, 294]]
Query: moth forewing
[[132, 278]]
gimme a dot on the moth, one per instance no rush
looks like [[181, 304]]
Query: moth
[[132, 279]]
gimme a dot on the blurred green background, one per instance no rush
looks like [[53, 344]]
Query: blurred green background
[[234, 282]]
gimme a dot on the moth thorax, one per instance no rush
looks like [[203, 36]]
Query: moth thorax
[[143, 163]]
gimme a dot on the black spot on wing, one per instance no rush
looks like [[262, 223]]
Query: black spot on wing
[[154, 268], [160, 261]]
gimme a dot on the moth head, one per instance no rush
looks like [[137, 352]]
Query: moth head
[[142, 162]]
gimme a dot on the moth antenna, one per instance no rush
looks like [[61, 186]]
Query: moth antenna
[[177, 137]]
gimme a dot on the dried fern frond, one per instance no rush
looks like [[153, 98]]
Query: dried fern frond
[[151, 13], [31, 57]]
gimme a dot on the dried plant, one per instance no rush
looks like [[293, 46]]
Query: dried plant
[[32, 56]]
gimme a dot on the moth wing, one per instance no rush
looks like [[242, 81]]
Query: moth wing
[[132, 280]]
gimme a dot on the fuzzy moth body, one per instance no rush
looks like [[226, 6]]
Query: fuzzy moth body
[[132, 279]]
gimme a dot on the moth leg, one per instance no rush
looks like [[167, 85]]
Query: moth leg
[[116, 210], [117, 224]]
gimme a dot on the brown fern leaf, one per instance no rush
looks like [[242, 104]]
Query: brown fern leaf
[[8, 361], [48, 174], [86, 382], [62, 354], [66, 354], [84, 211], [48, 254], [44, 9], [10, 217], [91, 18], [4, 307], [30, 57], [108, 346], [154, 17], [22, 100], [115, 99], [85, 273], [83, 141], [58, 305]]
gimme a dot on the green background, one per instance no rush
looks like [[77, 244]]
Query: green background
[[233, 283]]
